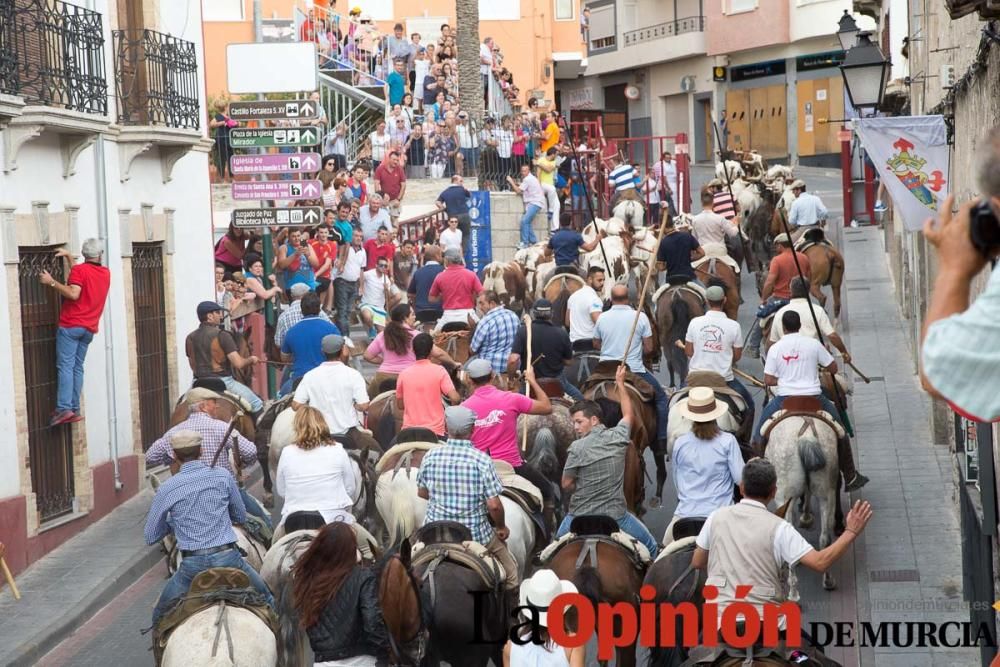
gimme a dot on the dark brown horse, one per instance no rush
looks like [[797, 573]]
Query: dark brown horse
[[402, 610], [509, 282], [716, 272], [675, 308], [826, 267]]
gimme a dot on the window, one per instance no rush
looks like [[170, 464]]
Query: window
[[602, 27], [499, 10], [739, 6], [222, 10], [564, 10]]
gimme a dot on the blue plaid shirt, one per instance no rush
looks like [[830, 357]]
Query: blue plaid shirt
[[202, 503], [459, 479], [494, 337]]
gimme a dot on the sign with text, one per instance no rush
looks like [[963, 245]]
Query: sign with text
[[244, 218], [277, 190], [273, 136], [277, 110], [276, 163], [480, 252]]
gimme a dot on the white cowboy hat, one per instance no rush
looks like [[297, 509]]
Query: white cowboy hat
[[541, 589], [701, 405]]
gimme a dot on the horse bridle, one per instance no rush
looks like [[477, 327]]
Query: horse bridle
[[416, 646]]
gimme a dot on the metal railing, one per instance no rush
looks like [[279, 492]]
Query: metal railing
[[666, 29], [156, 79], [52, 53]]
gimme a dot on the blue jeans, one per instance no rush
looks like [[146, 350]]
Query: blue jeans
[[756, 333], [244, 392], [662, 406], [71, 350], [254, 507], [344, 295], [775, 404], [192, 566], [738, 386], [568, 387], [527, 233], [630, 524]]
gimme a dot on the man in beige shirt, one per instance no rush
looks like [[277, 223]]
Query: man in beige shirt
[[710, 227]]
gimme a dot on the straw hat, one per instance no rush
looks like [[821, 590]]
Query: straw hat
[[701, 405], [541, 589]]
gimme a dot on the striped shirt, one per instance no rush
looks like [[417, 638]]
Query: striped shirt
[[722, 203], [460, 479], [623, 177], [203, 504], [961, 355], [212, 431], [289, 318], [494, 337]]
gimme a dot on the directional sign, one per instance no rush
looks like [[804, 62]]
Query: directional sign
[[274, 136], [281, 217], [274, 163], [279, 110], [277, 190]]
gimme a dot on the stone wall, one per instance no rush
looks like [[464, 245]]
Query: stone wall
[[506, 210]]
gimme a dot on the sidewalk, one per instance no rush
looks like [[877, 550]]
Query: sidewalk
[[909, 560]]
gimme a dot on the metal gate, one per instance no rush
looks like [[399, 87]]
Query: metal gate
[[150, 340], [50, 450]]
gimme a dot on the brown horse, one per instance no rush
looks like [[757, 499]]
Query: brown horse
[[614, 579], [399, 598], [716, 272], [508, 280], [558, 290], [676, 306], [826, 267]]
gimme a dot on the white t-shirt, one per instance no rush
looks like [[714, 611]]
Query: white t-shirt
[[789, 545], [353, 265], [505, 142], [334, 389], [582, 304], [379, 144], [709, 227], [373, 288], [451, 238], [808, 328], [795, 361], [316, 480], [713, 336], [485, 53]]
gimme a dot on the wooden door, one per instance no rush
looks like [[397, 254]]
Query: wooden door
[[777, 122], [759, 133], [709, 152], [737, 119], [807, 117]]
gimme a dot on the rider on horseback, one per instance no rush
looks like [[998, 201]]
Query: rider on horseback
[[583, 308], [676, 252], [494, 335], [792, 366], [202, 503], [801, 304], [715, 343], [567, 244], [595, 467], [776, 291], [551, 349], [807, 212]]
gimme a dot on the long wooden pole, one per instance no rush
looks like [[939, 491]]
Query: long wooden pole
[[527, 385], [6, 573], [749, 378], [645, 286]]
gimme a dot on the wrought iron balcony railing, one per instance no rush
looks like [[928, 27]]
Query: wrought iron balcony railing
[[667, 29], [156, 79], [52, 53]]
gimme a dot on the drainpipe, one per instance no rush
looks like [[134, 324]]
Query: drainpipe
[[109, 366]]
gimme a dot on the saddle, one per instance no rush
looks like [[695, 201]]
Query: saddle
[[716, 251], [526, 495], [801, 406], [604, 372], [401, 455], [593, 530], [812, 237], [228, 585], [441, 541], [572, 277], [256, 528], [685, 284], [552, 387]]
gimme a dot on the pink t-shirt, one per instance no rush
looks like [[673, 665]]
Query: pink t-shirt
[[496, 422], [392, 362]]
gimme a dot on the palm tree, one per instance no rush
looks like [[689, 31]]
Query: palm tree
[[470, 85]]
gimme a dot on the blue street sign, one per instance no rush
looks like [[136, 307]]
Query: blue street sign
[[480, 251]]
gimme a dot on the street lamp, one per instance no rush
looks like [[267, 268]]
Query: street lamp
[[848, 31], [865, 71]]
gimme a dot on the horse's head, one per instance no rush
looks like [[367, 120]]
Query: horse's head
[[402, 608]]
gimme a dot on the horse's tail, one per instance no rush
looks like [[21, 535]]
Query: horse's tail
[[395, 493], [811, 454], [543, 456], [290, 646], [680, 315], [588, 583]]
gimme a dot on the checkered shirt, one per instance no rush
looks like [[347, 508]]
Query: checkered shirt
[[203, 504], [494, 337], [459, 479], [289, 318], [212, 431]]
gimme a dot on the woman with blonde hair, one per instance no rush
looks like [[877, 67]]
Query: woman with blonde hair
[[315, 473]]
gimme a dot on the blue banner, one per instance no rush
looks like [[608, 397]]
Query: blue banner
[[480, 251]]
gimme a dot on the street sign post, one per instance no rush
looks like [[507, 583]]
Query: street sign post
[[277, 190], [273, 136], [250, 218], [275, 163], [273, 110]]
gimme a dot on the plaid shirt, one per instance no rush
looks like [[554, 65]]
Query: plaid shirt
[[212, 431], [597, 463], [289, 318], [459, 479], [203, 504], [494, 337]]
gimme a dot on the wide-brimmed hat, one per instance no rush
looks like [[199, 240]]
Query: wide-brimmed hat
[[541, 589], [701, 405]]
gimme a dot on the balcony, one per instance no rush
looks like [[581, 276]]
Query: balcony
[[156, 80], [667, 29], [660, 42]]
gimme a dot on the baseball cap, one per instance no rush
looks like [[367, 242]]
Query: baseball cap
[[782, 238], [542, 307], [334, 343], [200, 394], [299, 289], [185, 439], [478, 368], [715, 293], [459, 418], [712, 183], [206, 307]]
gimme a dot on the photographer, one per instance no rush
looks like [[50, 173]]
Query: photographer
[[961, 343]]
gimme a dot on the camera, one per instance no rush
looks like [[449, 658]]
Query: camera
[[984, 228]]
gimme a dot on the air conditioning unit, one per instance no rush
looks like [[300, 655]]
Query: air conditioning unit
[[687, 84]]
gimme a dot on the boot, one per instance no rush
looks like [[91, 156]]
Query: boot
[[853, 480]]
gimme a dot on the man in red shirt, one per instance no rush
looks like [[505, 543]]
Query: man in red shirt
[[776, 291], [380, 247], [390, 181], [326, 252], [455, 289], [83, 295]]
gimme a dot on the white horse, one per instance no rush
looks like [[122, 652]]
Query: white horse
[[678, 425], [806, 465], [221, 636], [276, 573], [631, 212], [535, 269]]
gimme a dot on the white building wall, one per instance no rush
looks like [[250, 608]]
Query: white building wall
[[814, 19]]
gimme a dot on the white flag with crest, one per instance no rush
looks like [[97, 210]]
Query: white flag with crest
[[911, 156]]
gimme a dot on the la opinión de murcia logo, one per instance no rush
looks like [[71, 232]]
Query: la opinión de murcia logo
[[740, 625]]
